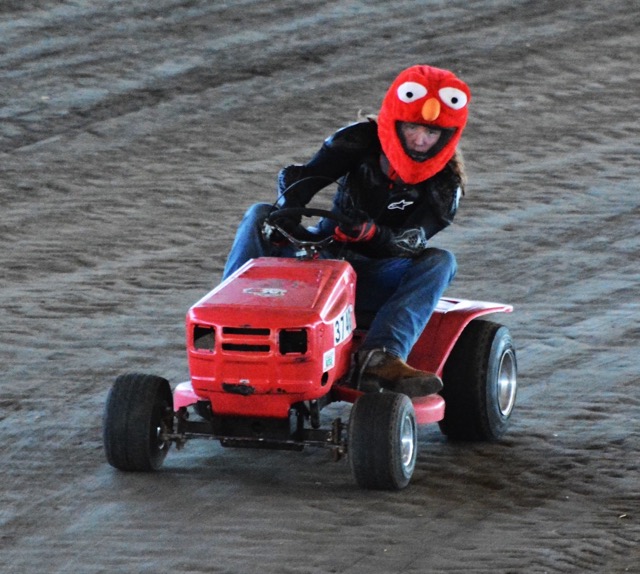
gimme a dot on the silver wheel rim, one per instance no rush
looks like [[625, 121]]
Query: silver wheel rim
[[161, 430], [407, 443], [160, 442], [507, 383]]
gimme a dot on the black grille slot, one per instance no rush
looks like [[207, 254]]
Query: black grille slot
[[204, 338], [245, 348], [293, 341], [246, 331]]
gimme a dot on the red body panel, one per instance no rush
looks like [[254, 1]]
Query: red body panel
[[449, 319], [244, 371], [249, 313]]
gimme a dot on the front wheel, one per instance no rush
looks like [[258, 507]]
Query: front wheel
[[139, 410], [480, 383], [382, 441]]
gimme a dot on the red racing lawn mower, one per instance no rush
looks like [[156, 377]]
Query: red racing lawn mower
[[273, 345]]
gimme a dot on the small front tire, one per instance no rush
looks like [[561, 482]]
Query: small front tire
[[139, 410], [382, 441]]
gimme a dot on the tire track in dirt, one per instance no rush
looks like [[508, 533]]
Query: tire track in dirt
[[129, 73]]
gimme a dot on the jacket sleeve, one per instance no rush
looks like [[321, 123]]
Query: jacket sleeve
[[298, 183]]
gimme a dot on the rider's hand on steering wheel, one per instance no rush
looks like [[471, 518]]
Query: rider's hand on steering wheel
[[288, 223], [355, 232]]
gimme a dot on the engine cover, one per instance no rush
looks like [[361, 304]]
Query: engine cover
[[276, 332]]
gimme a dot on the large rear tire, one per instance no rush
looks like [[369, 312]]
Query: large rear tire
[[382, 441], [139, 409], [480, 383]]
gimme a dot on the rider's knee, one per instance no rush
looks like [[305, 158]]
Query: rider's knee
[[256, 214], [258, 210], [444, 260]]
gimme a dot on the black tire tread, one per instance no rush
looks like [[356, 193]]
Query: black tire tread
[[132, 404], [465, 383], [373, 450]]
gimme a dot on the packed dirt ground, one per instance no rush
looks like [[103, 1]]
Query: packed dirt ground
[[132, 137]]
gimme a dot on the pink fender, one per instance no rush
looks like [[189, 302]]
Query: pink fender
[[449, 319], [184, 396], [428, 409]]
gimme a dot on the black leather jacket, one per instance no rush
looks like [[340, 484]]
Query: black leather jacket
[[406, 215]]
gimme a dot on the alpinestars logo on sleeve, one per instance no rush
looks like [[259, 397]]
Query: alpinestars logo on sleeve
[[400, 204]]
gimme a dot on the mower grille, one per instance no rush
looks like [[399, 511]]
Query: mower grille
[[246, 339], [250, 340]]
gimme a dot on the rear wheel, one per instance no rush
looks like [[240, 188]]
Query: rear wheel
[[480, 383], [383, 441], [139, 410]]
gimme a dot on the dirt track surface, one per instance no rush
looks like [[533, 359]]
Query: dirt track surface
[[132, 137]]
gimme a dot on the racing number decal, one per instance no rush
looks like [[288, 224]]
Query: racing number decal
[[343, 326]]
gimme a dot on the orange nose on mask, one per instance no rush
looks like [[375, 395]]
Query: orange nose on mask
[[431, 110]]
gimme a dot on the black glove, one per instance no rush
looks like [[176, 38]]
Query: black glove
[[288, 223], [355, 232]]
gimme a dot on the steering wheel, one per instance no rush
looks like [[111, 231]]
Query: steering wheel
[[307, 244]]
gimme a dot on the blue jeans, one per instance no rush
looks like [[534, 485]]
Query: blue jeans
[[400, 293]]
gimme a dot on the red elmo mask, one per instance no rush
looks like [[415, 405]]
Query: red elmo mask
[[427, 96]]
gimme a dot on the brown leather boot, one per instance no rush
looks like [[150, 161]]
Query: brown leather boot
[[379, 370]]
